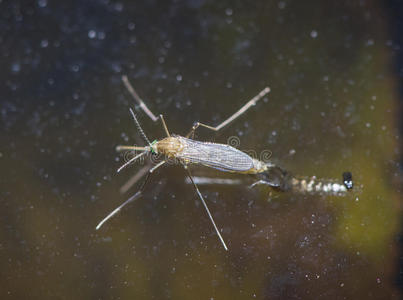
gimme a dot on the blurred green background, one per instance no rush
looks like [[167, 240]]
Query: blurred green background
[[335, 105]]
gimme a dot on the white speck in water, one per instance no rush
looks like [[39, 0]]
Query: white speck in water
[[368, 125], [314, 34], [341, 284], [92, 34], [292, 152], [75, 68], [228, 12], [101, 35], [274, 133], [44, 43], [281, 5], [179, 77], [42, 3], [325, 78], [15, 67], [370, 42], [118, 6], [124, 136], [131, 26]]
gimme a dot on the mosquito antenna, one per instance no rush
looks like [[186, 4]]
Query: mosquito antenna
[[139, 127]]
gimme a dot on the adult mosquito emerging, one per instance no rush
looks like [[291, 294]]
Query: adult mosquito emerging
[[188, 151], [222, 157]]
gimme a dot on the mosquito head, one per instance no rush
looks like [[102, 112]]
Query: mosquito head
[[153, 147]]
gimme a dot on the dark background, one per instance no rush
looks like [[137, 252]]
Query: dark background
[[335, 71]]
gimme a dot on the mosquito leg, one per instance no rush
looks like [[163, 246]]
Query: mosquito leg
[[132, 198], [208, 211], [142, 105], [130, 148], [200, 180], [136, 177], [157, 166], [164, 125], [242, 110], [136, 97], [130, 161], [259, 182]]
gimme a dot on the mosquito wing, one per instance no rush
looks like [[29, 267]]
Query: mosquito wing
[[218, 156]]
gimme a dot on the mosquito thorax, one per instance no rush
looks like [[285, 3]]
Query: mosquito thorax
[[169, 146]]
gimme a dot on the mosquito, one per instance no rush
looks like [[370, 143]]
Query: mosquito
[[187, 151]]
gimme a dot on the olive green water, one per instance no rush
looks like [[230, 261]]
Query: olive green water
[[333, 108]]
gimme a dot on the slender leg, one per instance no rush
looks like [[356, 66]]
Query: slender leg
[[138, 99], [136, 177], [208, 211], [130, 148], [164, 125], [132, 198], [200, 180], [142, 105], [242, 110], [259, 182], [130, 161]]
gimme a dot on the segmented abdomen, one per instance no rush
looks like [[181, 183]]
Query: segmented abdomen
[[218, 156]]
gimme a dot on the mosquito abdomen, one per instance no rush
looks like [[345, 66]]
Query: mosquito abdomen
[[218, 156]]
